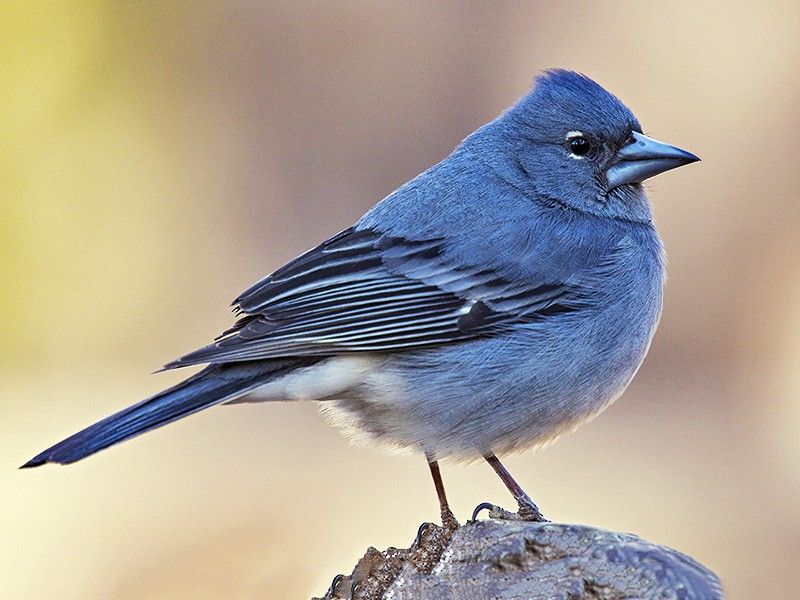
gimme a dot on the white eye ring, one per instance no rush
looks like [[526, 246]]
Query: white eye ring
[[574, 135]]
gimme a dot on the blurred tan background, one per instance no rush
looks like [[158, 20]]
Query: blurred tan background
[[157, 160]]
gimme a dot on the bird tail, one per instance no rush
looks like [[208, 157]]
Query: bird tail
[[213, 385]]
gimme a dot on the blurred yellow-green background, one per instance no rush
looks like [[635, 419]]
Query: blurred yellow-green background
[[157, 158]]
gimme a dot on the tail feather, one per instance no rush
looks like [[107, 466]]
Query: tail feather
[[213, 385]]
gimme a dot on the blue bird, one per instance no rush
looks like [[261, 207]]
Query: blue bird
[[499, 299]]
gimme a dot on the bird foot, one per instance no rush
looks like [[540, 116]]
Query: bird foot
[[449, 520], [449, 524], [527, 512]]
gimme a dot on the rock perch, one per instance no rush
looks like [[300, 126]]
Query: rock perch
[[504, 559]]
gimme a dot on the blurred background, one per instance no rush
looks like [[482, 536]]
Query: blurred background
[[156, 160]]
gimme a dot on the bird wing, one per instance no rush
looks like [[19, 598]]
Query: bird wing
[[363, 290]]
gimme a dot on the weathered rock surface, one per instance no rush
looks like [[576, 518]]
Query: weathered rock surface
[[505, 559]]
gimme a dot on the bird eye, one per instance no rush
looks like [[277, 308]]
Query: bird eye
[[579, 146]]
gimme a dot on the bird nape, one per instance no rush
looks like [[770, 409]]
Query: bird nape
[[501, 298]]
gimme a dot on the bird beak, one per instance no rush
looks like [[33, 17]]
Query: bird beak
[[644, 157]]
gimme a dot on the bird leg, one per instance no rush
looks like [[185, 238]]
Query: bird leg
[[528, 511], [448, 519]]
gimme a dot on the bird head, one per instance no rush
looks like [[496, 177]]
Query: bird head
[[577, 145]]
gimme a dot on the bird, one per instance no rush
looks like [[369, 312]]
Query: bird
[[501, 298]]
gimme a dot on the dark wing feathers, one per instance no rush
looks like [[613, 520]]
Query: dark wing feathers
[[345, 254], [365, 291]]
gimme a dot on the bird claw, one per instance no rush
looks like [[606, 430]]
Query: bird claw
[[527, 512], [332, 590], [483, 506], [422, 529]]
